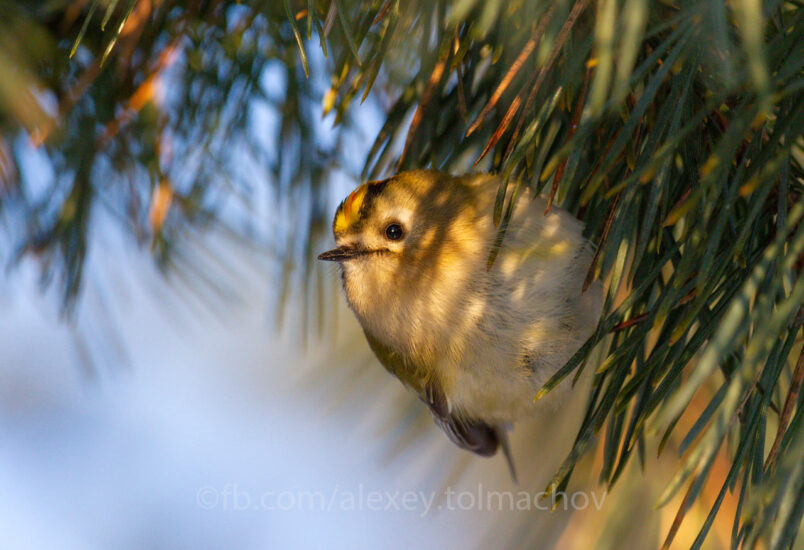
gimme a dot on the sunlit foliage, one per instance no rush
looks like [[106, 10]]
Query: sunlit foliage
[[673, 128]]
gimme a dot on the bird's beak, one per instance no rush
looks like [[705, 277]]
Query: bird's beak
[[341, 254]]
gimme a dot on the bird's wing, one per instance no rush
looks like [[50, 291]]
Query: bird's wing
[[471, 434]]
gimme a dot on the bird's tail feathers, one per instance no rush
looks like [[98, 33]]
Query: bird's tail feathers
[[502, 436]]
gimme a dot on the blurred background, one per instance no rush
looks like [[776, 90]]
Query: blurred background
[[176, 371], [156, 418]]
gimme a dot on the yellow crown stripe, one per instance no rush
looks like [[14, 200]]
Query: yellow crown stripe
[[349, 212]]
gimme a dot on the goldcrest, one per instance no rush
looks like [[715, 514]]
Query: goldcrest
[[474, 341]]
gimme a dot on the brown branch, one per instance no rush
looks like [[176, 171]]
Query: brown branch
[[462, 109], [682, 511], [590, 275], [576, 120], [691, 295], [383, 12], [498, 133], [787, 411], [143, 94], [576, 11], [132, 28], [427, 96], [629, 323], [523, 56]]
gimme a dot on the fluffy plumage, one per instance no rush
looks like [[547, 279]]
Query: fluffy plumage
[[474, 343]]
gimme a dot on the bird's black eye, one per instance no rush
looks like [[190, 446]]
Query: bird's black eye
[[394, 232]]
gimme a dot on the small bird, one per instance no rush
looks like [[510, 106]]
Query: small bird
[[474, 339]]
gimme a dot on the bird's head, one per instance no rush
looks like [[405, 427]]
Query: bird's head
[[371, 225], [406, 241]]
